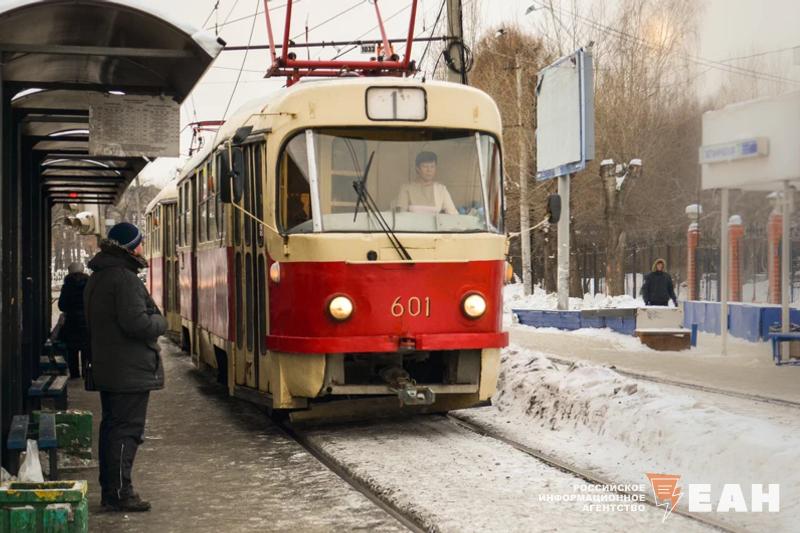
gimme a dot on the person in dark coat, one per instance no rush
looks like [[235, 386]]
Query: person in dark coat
[[124, 325], [74, 333], [657, 288]]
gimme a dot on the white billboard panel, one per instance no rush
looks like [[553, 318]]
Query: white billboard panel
[[134, 126], [752, 145], [565, 116]]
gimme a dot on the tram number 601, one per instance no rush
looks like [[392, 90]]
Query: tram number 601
[[413, 306]]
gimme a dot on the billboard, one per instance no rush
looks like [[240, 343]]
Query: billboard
[[565, 115], [752, 145]]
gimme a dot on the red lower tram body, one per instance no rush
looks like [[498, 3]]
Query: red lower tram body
[[272, 338]]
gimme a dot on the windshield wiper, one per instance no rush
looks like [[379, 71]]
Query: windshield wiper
[[371, 208], [360, 186]]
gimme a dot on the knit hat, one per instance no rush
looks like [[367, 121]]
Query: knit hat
[[126, 234], [74, 268]]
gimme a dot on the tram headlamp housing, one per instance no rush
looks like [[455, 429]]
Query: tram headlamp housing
[[474, 305], [509, 274], [275, 272], [340, 308]]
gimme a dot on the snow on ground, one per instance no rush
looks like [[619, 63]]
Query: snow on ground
[[514, 298], [622, 428], [452, 479]]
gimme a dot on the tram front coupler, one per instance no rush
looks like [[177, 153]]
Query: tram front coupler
[[407, 390], [412, 394]]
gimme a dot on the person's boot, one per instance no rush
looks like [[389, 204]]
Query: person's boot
[[130, 503]]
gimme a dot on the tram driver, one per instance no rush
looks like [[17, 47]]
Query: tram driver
[[424, 194]]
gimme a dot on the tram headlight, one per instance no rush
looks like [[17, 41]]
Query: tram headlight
[[275, 272], [474, 305], [340, 308], [509, 274]]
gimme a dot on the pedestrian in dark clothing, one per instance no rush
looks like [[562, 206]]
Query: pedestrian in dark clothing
[[74, 333], [657, 288], [124, 324]]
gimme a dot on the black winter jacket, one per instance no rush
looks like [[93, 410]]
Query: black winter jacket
[[70, 302], [657, 288], [124, 324]]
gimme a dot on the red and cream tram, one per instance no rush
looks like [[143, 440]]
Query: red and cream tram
[[343, 239], [162, 261]]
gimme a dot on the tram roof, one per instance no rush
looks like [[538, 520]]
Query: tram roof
[[279, 101], [60, 51], [169, 194]]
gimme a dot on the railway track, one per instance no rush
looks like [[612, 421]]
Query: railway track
[[584, 474], [407, 520], [695, 386], [416, 523]]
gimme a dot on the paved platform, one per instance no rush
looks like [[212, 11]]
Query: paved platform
[[213, 463], [748, 367]]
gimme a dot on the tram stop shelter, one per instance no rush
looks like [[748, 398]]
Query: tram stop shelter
[[63, 63], [753, 145]]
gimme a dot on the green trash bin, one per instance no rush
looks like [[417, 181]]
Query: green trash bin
[[49, 507], [73, 431]]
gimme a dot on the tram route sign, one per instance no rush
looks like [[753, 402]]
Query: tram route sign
[[565, 115], [134, 126]]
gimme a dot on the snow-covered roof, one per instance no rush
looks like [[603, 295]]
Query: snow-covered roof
[[168, 194]]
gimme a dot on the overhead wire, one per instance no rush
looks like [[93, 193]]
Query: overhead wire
[[244, 59], [229, 22], [211, 13], [387, 19], [620, 35], [433, 30], [330, 19]]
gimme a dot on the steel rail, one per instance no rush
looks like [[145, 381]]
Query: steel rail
[[410, 522], [584, 474]]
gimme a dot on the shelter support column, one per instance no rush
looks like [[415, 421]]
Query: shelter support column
[[735, 235], [774, 230], [723, 270], [786, 273], [693, 211]]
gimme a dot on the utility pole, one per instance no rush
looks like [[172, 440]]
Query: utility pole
[[524, 222], [455, 45]]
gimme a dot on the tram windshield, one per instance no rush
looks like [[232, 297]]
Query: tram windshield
[[406, 180]]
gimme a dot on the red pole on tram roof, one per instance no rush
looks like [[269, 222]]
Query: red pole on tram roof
[[410, 41], [269, 33], [386, 45], [287, 25]]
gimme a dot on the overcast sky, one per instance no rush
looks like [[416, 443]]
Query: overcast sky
[[728, 28]]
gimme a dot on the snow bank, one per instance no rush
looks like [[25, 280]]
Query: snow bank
[[626, 428], [514, 298]]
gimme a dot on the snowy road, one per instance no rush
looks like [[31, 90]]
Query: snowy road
[[451, 479]]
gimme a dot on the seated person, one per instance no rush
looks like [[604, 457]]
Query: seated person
[[424, 195]]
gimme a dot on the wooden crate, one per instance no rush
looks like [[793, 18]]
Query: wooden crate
[[665, 339]]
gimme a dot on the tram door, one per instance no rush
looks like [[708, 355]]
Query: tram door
[[250, 269]]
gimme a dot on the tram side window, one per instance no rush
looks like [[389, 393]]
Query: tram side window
[[178, 218], [147, 249], [220, 207], [295, 192], [259, 197], [202, 200], [190, 199], [211, 201], [247, 197]]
